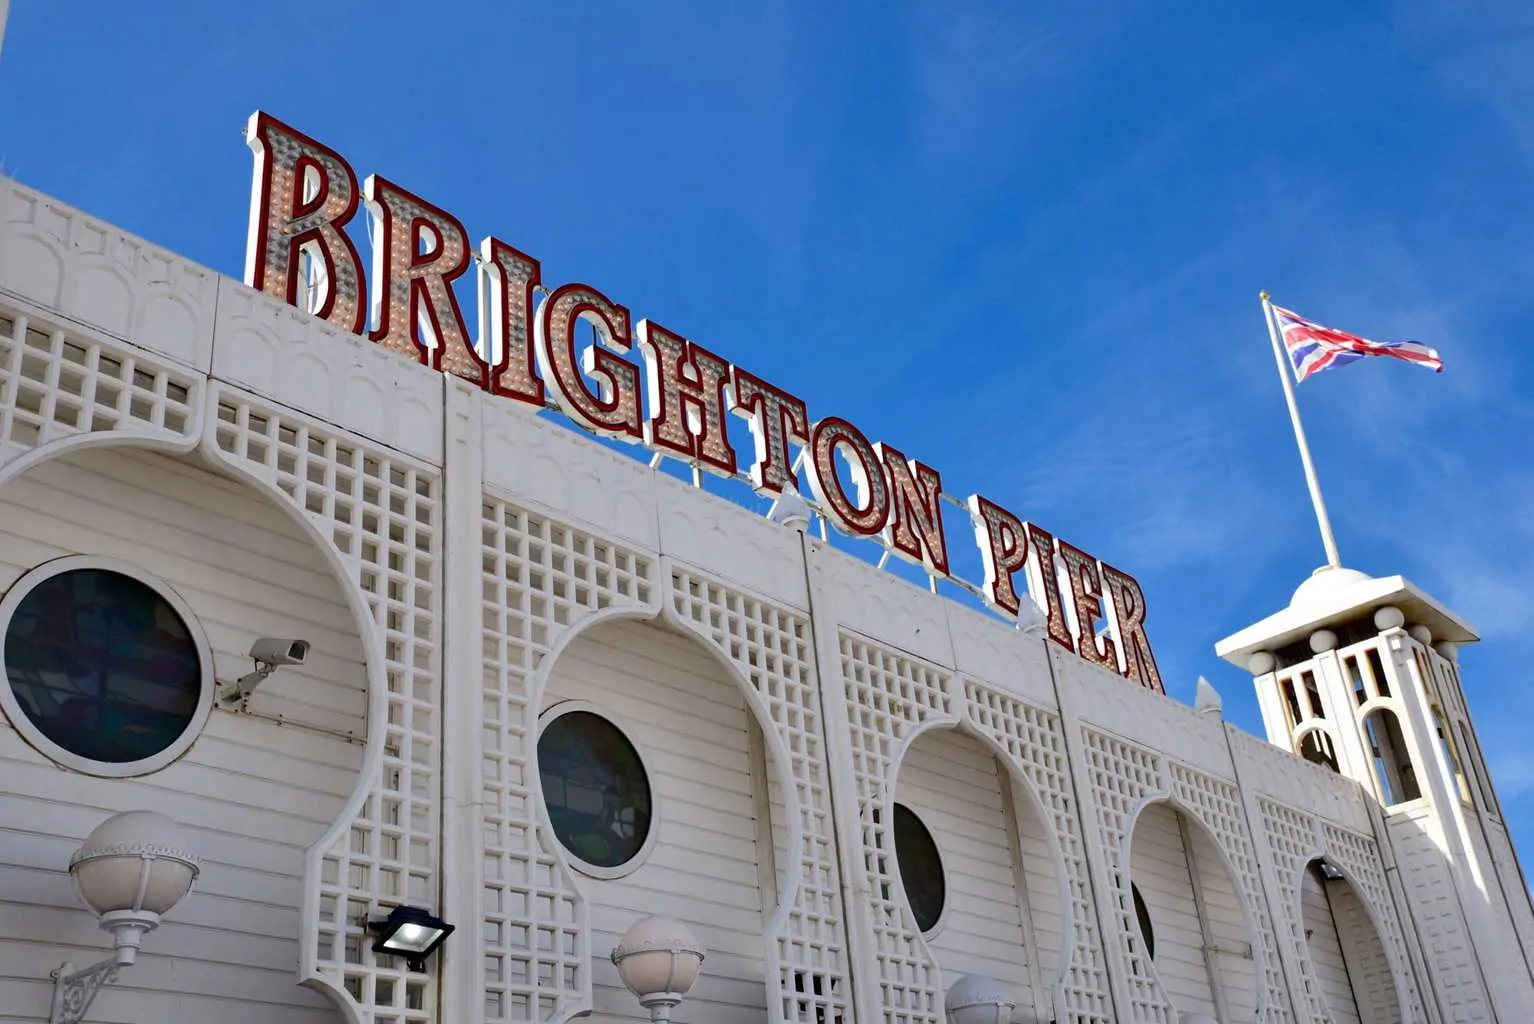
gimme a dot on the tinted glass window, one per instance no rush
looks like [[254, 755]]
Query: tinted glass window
[[921, 868], [103, 666], [595, 787]]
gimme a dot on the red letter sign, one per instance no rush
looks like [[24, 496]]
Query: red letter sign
[[867, 515], [1087, 595], [303, 196], [776, 418], [1003, 547], [614, 411], [915, 528], [420, 251], [1044, 585], [687, 399], [509, 276], [1128, 611]]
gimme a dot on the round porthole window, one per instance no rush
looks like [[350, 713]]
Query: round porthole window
[[921, 869], [105, 669], [596, 790], [1143, 919]]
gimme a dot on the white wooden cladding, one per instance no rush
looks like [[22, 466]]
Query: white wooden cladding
[[692, 727], [537, 539], [253, 794], [960, 791]]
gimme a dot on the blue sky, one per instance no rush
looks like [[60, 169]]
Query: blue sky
[[1020, 241]]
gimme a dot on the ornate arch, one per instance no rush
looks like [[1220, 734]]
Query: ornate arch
[[777, 750], [1033, 741], [772, 647], [1124, 778], [892, 699], [1295, 838], [373, 514]]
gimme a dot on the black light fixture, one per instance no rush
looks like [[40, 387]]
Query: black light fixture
[[411, 933]]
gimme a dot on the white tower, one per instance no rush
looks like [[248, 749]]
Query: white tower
[[1362, 674]]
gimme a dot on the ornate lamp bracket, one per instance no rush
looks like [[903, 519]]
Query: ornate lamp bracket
[[74, 990]]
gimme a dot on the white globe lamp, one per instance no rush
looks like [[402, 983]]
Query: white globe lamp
[[658, 960], [135, 868], [976, 999]]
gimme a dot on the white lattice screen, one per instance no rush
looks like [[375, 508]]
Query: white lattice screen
[[56, 381], [889, 696], [1121, 775], [538, 579], [1124, 775], [1034, 740], [1292, 844], [381, 511], [1294, 839], [771, 645]]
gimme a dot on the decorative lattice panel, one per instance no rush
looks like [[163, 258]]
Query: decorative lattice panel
[[772, 647], [381, 511], [56, 382], [538, 578], [1216, 804], [1358, 856], [1034, 740], [889, 695], [1295, 838], [1292, 844], [1121, 775]]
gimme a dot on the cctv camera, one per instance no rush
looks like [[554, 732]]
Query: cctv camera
[[278, 653], [269, 655]]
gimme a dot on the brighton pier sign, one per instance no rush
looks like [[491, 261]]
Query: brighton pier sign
[[305, 194]]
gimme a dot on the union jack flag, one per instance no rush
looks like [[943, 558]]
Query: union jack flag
[[1313, 348]]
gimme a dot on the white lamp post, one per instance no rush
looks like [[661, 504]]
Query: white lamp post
[[132, 871], [976, 999], [658, 958]]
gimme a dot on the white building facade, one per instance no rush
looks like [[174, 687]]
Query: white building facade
[[547, 690]]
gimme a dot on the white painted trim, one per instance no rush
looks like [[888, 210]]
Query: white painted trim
[[66, 758], [460, 978], [1100, 889], [1011, 821], [761, 803], [1267, 874], [566, 707]]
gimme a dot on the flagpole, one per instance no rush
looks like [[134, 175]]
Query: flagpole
[[1322, 520]]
